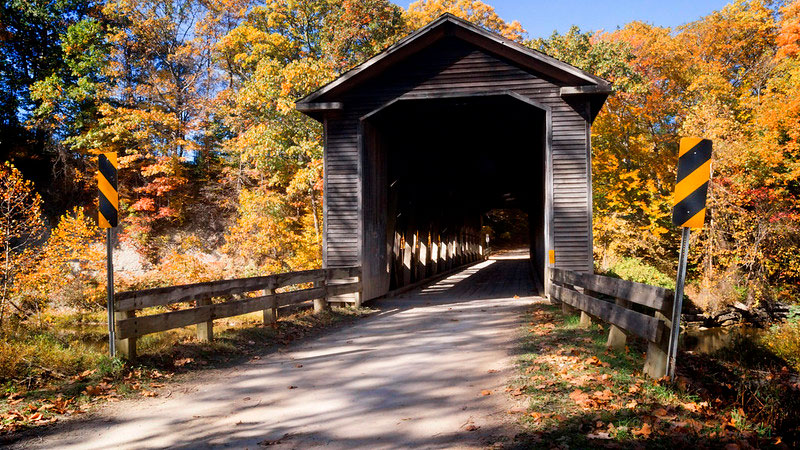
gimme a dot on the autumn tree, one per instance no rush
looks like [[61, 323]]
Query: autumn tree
[[31, 53], [421, 12], [21, 226], [70, 268], [281, 52]]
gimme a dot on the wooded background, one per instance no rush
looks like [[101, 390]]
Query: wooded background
[[220, 177]]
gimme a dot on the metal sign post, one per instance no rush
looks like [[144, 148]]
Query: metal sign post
[[110, 291], [689, 211], [108, 206], [678, 304]]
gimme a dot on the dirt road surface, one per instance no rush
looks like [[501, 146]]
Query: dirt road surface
[[410, 376]]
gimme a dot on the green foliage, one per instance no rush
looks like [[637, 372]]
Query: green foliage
[[588, 51], [633, 269]]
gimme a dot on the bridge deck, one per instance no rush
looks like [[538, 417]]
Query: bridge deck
[[410, 376]]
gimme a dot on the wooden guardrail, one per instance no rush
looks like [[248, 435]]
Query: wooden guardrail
[[240, 296], [580, 291]]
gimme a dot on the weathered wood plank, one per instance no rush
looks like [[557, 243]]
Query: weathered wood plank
[[643, 294], [636, 323], [140, 326], [133, 300], [339, 289], [303, 295]]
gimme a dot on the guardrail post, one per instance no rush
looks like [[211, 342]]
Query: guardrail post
[[125, 347], [655, 364], [271, 312], [321, 304], [616, 335], [205, 330], [358, 296], [586, 320]]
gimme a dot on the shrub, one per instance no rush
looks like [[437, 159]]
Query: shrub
[[784, 340], [633, 269], [11, 359]]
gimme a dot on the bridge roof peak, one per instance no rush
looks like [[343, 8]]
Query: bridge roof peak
[[448, 25]]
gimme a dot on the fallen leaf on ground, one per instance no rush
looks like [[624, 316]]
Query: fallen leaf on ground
[[183, 361], [516, 392], [660, 413], [84, 374], [486, 392], [594, 361], [644, 431]]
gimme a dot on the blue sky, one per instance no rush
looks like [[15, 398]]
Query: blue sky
[[540, 18]]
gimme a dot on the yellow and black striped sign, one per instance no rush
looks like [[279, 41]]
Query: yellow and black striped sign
[[107, 187], [694, 171]]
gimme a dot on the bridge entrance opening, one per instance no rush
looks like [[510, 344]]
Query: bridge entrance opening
[[436, 170]]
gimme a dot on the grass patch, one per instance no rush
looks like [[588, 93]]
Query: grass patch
[[578, 394], [59, 367]]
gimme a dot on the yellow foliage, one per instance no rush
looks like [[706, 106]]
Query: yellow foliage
[[421, 12], [70, 270]]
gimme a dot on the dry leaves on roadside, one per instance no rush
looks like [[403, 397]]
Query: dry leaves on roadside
[[100, 389], [516, 392], [182, 362], [645, 431], [83, 375]]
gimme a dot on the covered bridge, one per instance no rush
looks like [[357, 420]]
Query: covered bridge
[[451, 122]]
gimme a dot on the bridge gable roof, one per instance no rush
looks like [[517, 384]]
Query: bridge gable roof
[[573, 81]]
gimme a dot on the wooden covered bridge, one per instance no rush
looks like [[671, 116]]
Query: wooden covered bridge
[[421, 141], [449, 123]]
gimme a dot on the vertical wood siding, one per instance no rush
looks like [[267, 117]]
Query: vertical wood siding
[[452, 66]]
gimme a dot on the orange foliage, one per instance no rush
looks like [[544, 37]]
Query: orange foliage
[[421, 12]]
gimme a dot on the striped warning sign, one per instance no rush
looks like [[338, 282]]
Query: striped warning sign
[[107, 187], [691, 188]]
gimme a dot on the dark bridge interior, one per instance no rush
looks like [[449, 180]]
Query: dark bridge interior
[[438, 165]]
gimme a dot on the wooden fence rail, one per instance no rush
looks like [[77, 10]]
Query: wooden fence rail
[[581, 291], [241, 296]]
